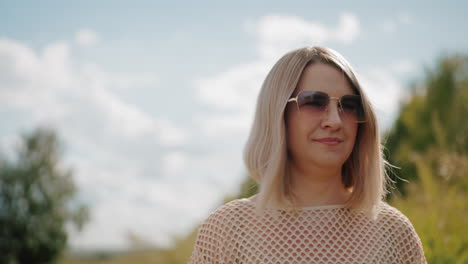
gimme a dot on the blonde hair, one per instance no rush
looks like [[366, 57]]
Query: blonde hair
[[265, 153]]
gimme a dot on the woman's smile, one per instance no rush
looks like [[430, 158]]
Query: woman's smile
[[329, 141]]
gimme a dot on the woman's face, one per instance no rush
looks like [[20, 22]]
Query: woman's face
[[325, 139]]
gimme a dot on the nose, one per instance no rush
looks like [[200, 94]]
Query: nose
[[331, 116]]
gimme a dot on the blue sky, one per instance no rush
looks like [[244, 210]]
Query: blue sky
[[154, 100]]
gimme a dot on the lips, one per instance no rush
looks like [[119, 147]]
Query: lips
[[329, 141]]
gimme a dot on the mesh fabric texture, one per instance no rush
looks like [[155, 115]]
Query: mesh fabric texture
[[321, 234]]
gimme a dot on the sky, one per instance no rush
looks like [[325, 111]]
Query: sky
[[154, 100]]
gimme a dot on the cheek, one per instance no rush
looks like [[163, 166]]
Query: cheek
[[299, 133], [352, 134], [295, 128]]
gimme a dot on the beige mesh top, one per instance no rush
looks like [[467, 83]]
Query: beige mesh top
[[320, 234]]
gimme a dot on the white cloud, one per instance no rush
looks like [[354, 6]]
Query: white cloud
[[234, 126], [86, 37], [170, 134], [278, 34], [221, 167], [391, 25], [236, 88], [113, 218], [47, 86], [30, 81], [403, 66], [404, 18], [174, 163], [155, 209], [156, 212], [113, 145]]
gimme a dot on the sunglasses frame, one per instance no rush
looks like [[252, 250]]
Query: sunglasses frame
[[296, 99]]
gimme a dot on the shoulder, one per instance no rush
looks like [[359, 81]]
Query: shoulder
[[230, 211], [224, 220], [215, 233], [404, 238], [393, 217], [386, 211]]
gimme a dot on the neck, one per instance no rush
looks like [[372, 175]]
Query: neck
[[315, 186]]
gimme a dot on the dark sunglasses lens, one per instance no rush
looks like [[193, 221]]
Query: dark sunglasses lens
[[351, 104], [313, 100]]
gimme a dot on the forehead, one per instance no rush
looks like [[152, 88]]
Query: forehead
[[325, 78]]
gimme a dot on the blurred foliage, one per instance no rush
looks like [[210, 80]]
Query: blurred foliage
[[430, 143], [36, 201], [434, 115]]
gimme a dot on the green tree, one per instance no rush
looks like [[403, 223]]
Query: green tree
[[36, 201], [430, 143], [433, 116]]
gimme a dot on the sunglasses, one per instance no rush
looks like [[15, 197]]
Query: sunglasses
[[315, 103]]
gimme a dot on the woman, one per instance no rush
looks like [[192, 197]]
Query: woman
[[314, 149]]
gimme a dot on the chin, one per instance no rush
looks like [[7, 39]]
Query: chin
[[332, 162]]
